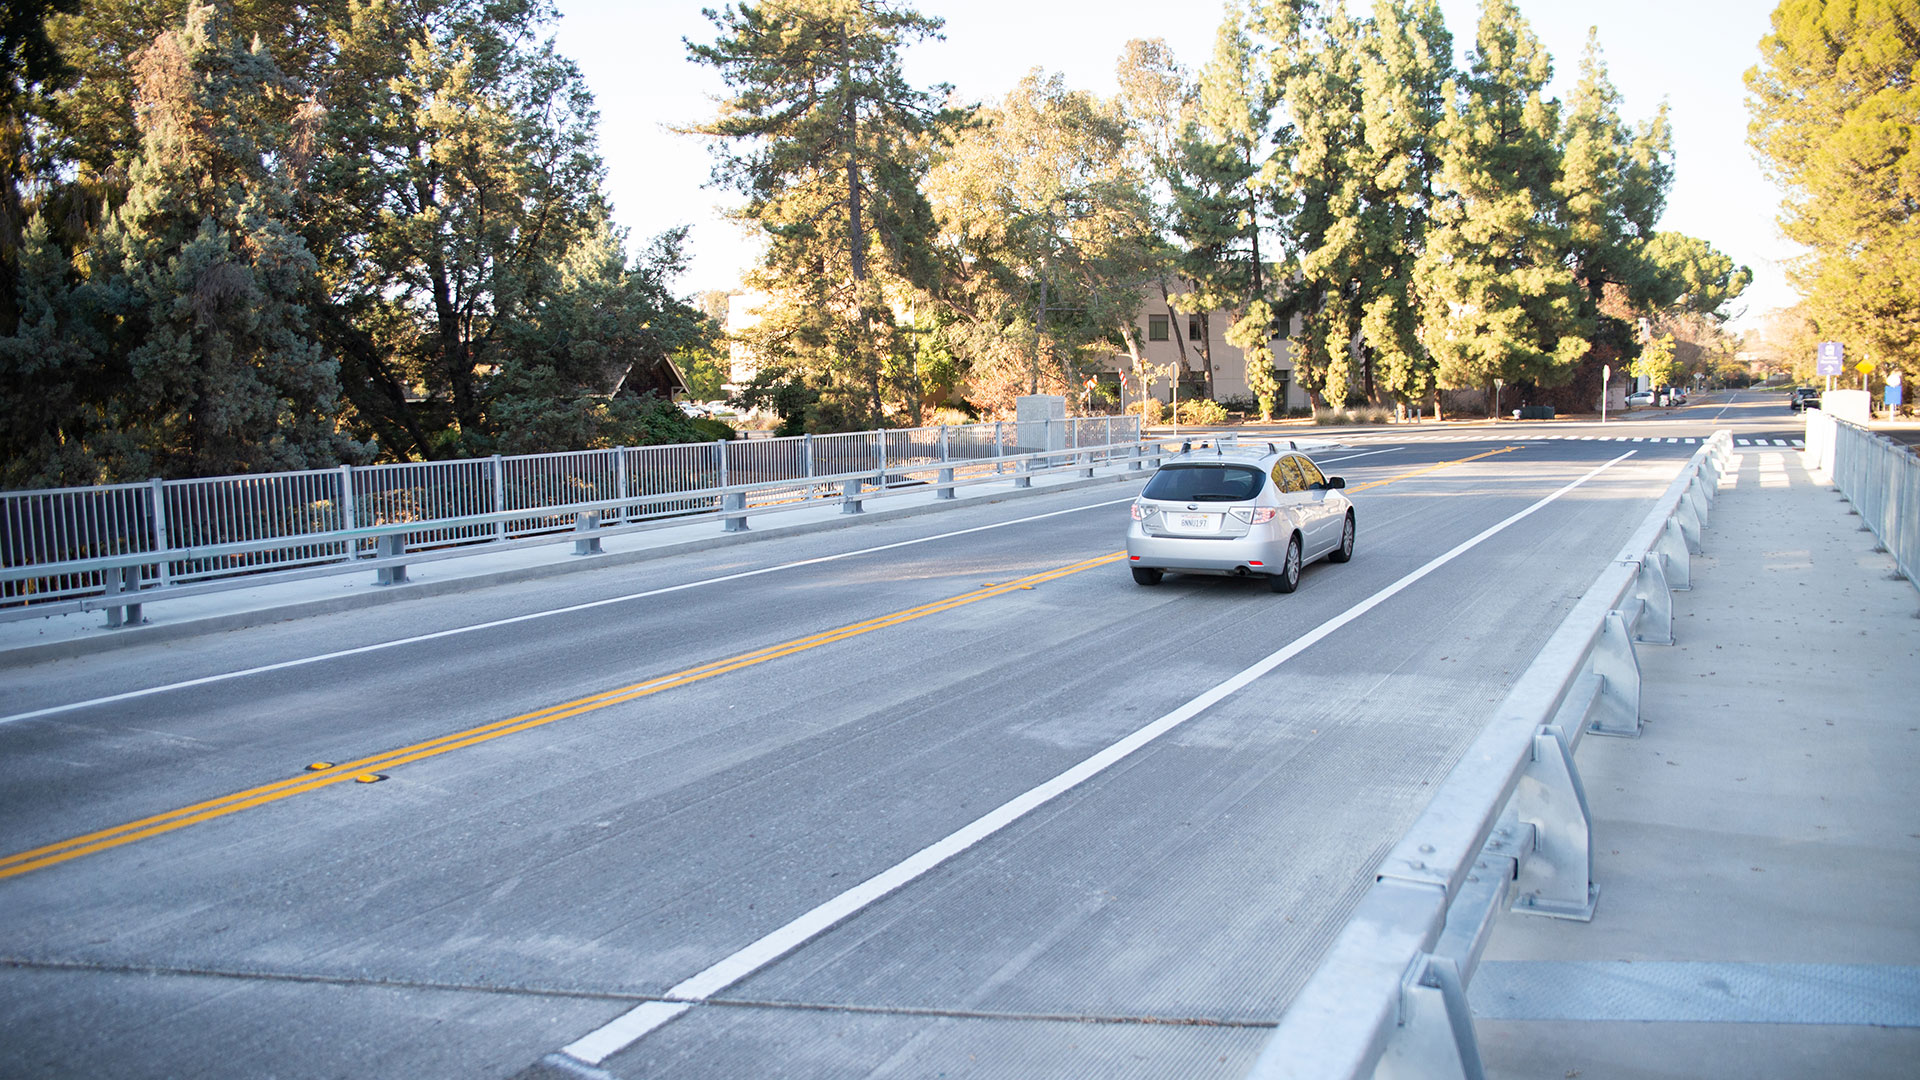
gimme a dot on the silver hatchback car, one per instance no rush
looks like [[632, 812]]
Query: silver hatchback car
[[1241, 511]]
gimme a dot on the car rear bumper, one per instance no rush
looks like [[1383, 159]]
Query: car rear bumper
[[1248, 554]]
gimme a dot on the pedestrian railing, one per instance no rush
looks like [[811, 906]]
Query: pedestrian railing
[[1878, 476], [1509, 826], [117, 546]]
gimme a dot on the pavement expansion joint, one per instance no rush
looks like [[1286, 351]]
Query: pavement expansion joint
[[198, 971], [990, 1014]]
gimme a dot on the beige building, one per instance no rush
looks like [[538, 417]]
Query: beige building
[[1168, 336]]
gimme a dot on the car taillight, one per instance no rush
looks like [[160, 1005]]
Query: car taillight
[[1257, 515], [1139, 514]]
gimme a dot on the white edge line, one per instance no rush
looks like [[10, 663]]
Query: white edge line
[[54, 710], [626, 1029]]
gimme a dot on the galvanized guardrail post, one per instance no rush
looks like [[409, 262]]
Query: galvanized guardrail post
[[122, 581], [392, 546], [499, 473], [1510, 824], [586, 527]]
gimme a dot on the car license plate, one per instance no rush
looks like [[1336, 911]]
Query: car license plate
[[1197, 522]]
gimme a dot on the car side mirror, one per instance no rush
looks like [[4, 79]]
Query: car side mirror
[[1336, 482]]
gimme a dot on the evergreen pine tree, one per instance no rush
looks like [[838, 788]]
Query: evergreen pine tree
[[1500, 301], [223, 373]]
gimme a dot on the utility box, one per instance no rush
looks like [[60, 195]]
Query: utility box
[[1040, 423]]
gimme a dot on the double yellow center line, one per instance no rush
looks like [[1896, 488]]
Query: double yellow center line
[[52, 854]]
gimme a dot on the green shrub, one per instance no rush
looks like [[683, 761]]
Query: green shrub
[[1341, 417], [712, 430], [1201, 412]]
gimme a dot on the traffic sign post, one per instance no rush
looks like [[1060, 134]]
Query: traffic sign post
[[1606, 373], [1830, 361]]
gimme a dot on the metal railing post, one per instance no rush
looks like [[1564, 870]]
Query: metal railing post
[[158, 488], [733, 503], [499, 506], [880, 455], [806, 447], [999, 448], [620, 478]]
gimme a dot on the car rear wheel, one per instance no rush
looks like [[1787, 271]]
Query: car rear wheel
[[1145, 575], [1288, 579], [1344, 553]]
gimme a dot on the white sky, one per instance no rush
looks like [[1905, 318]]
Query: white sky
[[1690, 53]]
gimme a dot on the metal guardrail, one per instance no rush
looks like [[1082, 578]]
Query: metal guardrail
[[1509, 825], [116, 547], [1878, 476]]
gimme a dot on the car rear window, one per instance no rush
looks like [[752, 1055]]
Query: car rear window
[[1205, 483]]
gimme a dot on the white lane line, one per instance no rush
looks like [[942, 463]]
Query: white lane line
[[1350, 457], [54, 710], [624, 1030]]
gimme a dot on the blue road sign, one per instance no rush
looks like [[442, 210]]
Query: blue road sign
[[1831, 359]]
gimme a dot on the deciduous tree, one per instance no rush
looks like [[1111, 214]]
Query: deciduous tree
[[1833, 103]]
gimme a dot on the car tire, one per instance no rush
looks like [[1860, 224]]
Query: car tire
[[1344, 553], [1288, 579], [1145, 575]]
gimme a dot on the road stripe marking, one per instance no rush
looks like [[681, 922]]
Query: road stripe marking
[[1435, 468], [185, 684], [211, 809], [623, 1031], [159, 824]]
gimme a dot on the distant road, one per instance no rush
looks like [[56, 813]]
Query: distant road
[[679, 795]]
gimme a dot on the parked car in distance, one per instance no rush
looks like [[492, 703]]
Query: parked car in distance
[[1640, 397], [1240, 511], [1803, 397]]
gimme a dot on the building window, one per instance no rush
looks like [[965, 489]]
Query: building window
[[1193, 328], [1156, 328]]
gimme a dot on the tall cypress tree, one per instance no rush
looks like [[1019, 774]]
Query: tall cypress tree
[[1405, 62], [1499, 298], [1216, 209]]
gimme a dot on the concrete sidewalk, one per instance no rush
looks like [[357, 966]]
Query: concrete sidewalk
[[32, 640], [1758, 847]]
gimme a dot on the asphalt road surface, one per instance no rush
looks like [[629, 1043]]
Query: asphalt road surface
[[947, 795]]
